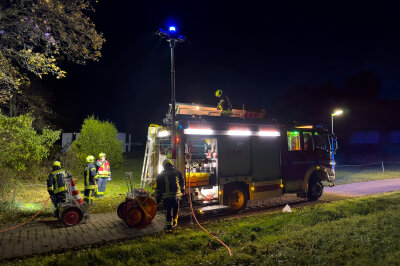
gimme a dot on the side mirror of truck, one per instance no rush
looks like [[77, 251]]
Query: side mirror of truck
[[333, 143]]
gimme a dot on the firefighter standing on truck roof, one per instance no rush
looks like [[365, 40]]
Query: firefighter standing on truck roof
[[103, 174], [56, 185], [169, 188], [224, 103], [90, 175]]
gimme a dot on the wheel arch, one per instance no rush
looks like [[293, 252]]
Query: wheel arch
[[317, 171], [237, 184], [231, 187]]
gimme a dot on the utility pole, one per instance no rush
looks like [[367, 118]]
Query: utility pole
[[173, 38]]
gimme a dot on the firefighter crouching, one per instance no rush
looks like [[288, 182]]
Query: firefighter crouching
[[103, 174], [224, 104], [169, 188], [56, 185], [90, 175]]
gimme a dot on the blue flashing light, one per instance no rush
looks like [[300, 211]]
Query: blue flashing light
[[172, 28]]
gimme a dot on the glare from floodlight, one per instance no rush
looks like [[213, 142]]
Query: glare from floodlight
[[172, 28]]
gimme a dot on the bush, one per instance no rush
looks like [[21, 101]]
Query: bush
[[20, 144], [22, 150], [96, 137]]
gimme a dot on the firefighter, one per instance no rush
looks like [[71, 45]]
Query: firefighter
[[90, 175], [224, 104], [103, 174], [56, 184], [170, 187]]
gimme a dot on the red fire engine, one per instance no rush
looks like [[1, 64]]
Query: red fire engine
[[230, 160]]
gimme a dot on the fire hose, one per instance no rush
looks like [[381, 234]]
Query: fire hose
[[202, 228], [33, 217]]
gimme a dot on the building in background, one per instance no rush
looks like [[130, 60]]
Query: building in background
[[68, 138], [369, 146]]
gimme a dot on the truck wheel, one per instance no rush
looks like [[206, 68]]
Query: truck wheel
[[134, 217], [121, 210], [315, 188], [71, 216], [236, 198]]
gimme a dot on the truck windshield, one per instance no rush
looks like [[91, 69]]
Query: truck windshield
[[322, 142]]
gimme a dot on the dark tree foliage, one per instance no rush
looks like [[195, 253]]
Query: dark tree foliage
[[36, 36]]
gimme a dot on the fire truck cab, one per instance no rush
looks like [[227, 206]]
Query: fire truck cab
[[230, 160]]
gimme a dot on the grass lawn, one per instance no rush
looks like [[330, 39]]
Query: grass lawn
[[29, 198], [360, 231], [354, 174]]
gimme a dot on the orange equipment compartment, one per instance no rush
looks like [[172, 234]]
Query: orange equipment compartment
[[197, 179]]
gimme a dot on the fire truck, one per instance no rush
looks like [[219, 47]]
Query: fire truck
[[229, 160]]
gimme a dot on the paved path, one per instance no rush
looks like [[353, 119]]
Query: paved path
[[365, 188], [49, 235]]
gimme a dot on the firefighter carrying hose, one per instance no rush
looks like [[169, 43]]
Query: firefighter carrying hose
[[224, 103], [170, 187], [90, 175], [103, 174], [56, 185]]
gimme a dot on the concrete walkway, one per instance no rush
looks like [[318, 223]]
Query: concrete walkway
[[40, 237]]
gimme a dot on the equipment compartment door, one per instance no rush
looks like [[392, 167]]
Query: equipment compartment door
[[234, 156], [266, 159]]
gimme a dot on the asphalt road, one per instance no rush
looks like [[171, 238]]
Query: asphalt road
[[365, 188]]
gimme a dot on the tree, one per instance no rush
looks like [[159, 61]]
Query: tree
[[35, 36], [37, 101], [96, 137]]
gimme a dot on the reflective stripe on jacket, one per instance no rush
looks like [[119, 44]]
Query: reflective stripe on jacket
[[90, 175], [56, 181], [224, 103], [170, 184], [103, 168]]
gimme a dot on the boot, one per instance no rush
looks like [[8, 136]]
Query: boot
[[175, 223]]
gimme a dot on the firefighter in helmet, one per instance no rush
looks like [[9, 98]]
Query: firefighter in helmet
[[103, 174], [56, 184], [90, 175], [224, 104], [170, 187]]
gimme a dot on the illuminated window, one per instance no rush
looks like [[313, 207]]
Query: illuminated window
[[308, 141], [293, 138]]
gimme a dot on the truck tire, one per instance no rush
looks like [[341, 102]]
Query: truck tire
[[236, 198], [315, 188]]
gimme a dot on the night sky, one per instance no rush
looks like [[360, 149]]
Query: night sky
[[299, 60]]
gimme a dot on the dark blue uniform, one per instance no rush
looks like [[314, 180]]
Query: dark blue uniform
[[169, 188], [90, 175], [56, 185]]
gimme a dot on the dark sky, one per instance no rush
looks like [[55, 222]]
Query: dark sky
[[257, 52]]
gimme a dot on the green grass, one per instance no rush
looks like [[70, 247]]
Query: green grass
[[354, 174], [26, 199], [362, 231]]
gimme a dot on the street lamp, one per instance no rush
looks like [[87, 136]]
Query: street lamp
[[172, 37], [335, 113]]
